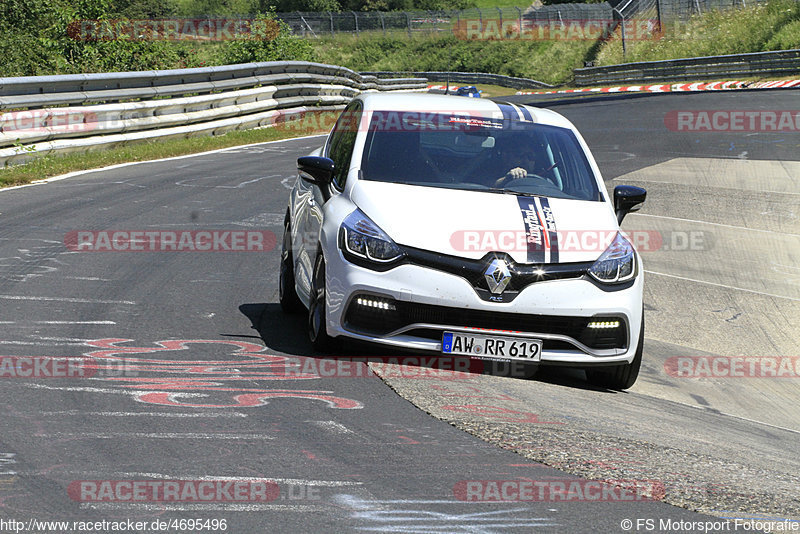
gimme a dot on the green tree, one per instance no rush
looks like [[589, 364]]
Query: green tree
[[214, 8], [144, 9], [28, 15], [92, 9]]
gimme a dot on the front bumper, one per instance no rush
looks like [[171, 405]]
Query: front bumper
[[428, 302]]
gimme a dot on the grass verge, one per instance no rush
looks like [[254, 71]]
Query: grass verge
[[48, 166], [547, 61], [773, 25]]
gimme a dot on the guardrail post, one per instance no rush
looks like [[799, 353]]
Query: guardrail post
[[658, 16], [622, 31]]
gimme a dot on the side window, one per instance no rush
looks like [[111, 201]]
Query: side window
[[343, 139]]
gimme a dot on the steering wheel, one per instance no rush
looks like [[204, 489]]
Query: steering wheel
[[530, 179]]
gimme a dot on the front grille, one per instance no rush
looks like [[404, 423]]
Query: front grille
[[381, 322], [473, 271]]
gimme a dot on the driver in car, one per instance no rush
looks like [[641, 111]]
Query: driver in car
[[519, 161]]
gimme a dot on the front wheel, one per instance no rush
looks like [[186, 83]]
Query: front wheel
[[620, 376], [317, 316]]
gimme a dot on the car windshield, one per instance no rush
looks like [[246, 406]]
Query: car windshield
[[477, 153]]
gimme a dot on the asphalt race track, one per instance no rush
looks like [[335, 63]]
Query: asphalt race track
[[184, 356]]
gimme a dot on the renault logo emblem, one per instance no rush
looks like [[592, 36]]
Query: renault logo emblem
[[497, 276]]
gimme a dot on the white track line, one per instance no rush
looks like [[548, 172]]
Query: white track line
[[333, 426], [712, 223], [146, 414], [632, 179], [221, 507], [717, 412], [58, 322], [66, 299], [41, 343], [725, 286], [155, 435], [35, 385], [212, 478]]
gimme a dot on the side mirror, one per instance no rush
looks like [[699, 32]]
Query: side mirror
[[628, 198], [315, 169]]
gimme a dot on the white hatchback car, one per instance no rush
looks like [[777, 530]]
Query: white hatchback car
[[465, 227]]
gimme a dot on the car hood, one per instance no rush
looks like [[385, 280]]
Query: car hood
[[472, 224]]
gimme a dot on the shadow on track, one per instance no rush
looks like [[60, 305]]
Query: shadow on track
[[278, 331], [287, 334]]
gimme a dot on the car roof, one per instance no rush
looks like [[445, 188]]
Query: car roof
[[431, 103]]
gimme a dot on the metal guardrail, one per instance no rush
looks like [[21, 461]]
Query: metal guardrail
[[782, 63], [115, 86], [167, 104], [471, 78]]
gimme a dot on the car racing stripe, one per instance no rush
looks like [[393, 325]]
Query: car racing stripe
[[523, 113], [518, 112], [545, 235], [533, 229], [549, 224], [541, 235], [514, 112], [526, 113], [509, 113]]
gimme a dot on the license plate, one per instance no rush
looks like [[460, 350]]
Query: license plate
[[514, 348]]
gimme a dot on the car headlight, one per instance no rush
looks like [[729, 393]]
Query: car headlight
[[617, 264], [362, 239]]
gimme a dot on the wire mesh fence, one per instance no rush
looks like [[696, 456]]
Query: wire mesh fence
[[628, 19], [650, 14], [643, 17], [310, 24], [651, 19], [409, 22]]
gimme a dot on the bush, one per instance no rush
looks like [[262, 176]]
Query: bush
[[787, 38], [270, 40], [39, 37], [28, 16], [547, 61], [25, 56]]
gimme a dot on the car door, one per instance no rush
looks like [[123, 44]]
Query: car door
[[311, 199]]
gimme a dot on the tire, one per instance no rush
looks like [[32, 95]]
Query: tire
[[620, 376], [287, 294], [317, 332]]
